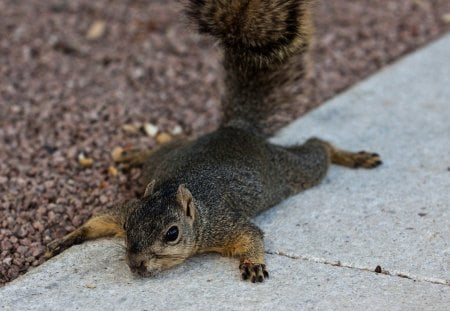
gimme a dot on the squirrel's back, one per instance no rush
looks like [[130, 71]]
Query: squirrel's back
[[259, 39]]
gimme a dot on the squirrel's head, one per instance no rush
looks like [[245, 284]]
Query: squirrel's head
[[160, 229]]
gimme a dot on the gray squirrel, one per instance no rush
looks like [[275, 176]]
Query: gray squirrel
[[201, 194]]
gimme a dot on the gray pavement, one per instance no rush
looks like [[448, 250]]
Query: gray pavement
[[322, 245]]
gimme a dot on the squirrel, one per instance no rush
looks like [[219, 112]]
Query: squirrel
[[202, 193]]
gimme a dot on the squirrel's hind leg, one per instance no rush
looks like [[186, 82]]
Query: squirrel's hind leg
[[361, 159], [305, 165], [105, 225]]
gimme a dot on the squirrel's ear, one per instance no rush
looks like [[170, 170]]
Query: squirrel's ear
[[149, 189], [185, 199]]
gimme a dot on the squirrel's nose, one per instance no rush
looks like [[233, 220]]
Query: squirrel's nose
[[137, 266]]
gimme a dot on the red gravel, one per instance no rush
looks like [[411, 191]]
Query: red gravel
[[61, 94]]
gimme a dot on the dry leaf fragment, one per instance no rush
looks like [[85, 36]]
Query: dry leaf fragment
[[112, 171], [163, 138], [90, 286], [423, 4], [446, 18], [117, 154], [131, 128], [96, 30], [85, 162], [103, 184]]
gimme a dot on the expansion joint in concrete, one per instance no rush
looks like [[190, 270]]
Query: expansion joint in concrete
[[378, 269]]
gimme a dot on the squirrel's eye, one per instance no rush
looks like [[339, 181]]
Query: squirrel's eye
[[172, 234]]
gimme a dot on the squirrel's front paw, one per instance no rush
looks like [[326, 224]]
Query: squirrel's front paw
[[253, 272], [54, 248]]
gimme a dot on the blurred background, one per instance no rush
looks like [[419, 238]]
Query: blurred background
[[80, 78]]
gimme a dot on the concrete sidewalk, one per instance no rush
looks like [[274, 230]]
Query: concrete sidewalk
[[322, 245]]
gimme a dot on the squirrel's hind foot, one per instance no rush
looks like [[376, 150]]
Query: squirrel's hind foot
[[366, 160], [361, 159]]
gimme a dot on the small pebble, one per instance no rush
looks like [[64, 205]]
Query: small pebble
[[177, 130], [49, 184], [150, 129], [76, 221], [103, 199], [6, 245], [51, 216], [22, 249], [7, 261], [18, 260], [38, 226], [36, 251], [22, 232], [25, 242], [13, 272]]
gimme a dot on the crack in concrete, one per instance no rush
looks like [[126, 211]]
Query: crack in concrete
[[377, 270]]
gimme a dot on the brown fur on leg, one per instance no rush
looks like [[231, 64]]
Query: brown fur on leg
[[347, 158], [249, 247], [355, 159], [96, 227]]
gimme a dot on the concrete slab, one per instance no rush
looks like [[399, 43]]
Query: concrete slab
[[397, 216], [325, 242], [94, 276]]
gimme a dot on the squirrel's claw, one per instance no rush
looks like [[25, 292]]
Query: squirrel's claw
[[54, 248], [254, 272]]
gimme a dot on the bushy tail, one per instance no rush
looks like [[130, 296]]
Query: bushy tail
[[259, 39]]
